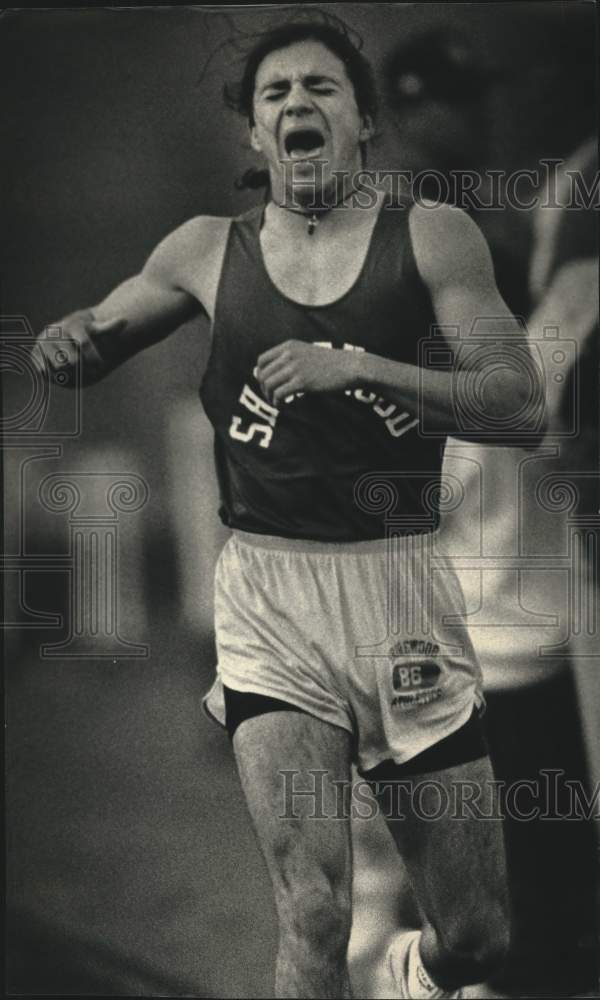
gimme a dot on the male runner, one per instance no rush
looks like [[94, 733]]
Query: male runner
[[312, 384]]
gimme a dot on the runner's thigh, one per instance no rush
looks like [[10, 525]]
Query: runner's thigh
[[305, 838], [450, 836]]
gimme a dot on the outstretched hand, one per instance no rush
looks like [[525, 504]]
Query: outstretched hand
[[295, 366], [59, 354]]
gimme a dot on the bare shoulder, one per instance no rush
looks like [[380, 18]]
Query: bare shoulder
[[201, 229], [190, 258], [447, 244], [193, 243]]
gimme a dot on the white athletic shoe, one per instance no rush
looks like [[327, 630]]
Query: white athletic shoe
[[398, 962], [398, 957]]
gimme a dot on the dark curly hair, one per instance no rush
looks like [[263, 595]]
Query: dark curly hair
[[239, 96], [335, 37]]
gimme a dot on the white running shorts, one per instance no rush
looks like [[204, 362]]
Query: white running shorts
[[367, 635]]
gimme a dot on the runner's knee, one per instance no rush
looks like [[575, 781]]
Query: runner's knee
[[316, 912]]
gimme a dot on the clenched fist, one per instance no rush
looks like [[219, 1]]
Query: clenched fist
[[295, 366], [84, 341]]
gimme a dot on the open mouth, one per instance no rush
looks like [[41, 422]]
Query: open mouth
[[302, 144]]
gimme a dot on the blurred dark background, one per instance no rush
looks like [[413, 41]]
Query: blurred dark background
[[131, 865]]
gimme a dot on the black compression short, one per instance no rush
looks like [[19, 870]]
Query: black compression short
[[465, 744], [241, 705]]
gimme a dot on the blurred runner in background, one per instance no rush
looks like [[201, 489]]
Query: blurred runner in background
[[437, 89]]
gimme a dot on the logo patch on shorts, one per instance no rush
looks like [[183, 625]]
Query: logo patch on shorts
[[415, 683], [415, 647]]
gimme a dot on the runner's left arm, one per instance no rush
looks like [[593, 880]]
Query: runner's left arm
[[493, 391]]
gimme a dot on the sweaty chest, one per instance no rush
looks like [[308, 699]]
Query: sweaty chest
[[359, 294], [315, 270]]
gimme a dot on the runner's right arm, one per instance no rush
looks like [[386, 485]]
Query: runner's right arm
[[139, 312]]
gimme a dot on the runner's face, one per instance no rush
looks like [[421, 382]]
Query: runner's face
[[306, 120]]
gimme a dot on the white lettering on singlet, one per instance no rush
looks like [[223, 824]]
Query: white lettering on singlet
[[397, 423], [364, 397], [398, 426], [260, 408], [351, 347], [237, 432], [382, 409]]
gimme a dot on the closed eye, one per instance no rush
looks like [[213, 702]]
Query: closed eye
[[316, 89]]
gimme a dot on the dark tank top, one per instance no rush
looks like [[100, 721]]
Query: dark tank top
[[334, 466]]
